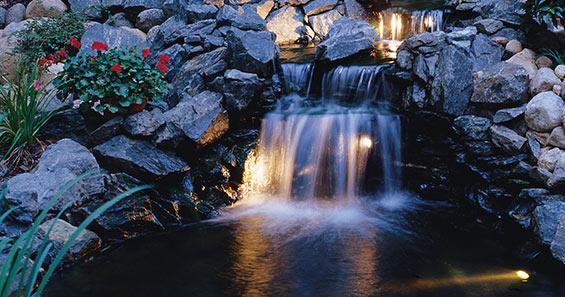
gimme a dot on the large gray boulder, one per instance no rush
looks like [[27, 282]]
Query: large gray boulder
[[239, 89], [144, 123], [507, 139], [60, 164], [471, 127], [558, 244], [139, 158], [201, 119], [346, 38], [452, 85], [15, 14], [287, 24], [509, 11], [190, 78], [198, 12], [321, 23], [147, 19], [546, 220], [543, 112], [252, 51], [486, 53], [502, 84], [114, 37]]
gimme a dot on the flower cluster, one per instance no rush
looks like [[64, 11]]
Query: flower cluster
[[60, 55], [113, 79]]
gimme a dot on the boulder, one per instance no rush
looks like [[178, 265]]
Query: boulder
[[549, 158], [264, 8], [3, 13], [506, 139], [500, 40], [253, 52], [9, 61], [198, 12], [239, 89], [321, 23], [60, 164], [557, 137], [144, 123], [287, 24], [205, 66], [560, 71], [557, 179], [45, 8], [134, 7], [69, 123], [471, 127], [452, 85], [525, 58], [514, 46], [201, 118], [558, 244], [501, 84], [544, 62], [543, 112], [147, 19], [354, 10], [86, 243], [319, 6], [489, 26], [508, 114], [119, 20], [507, 11], [346, 38], [138, 158], [544, 81], [112, 36], [546, 220], [486, 53], [15, 14], [248, 19], [108, 130]]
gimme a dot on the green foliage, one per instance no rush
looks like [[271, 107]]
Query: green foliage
[[540, 11], [23, 104], [557, 57], [98, 83], [43, 37], [17, 273]]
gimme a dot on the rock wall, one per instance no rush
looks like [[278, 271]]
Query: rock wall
[[505, 110]]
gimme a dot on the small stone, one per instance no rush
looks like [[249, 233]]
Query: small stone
[[549, 158], [533, 147], [149, 18], [508, 114], [471, 127], [60, 233], [500, 40], [560, 71], [558, 90], [514, 46], [489, 26], [526, 59], [319, 6], [119, 20], [557, 137], [557, 179], [541, 137], [544, 62], [144, 123], [544, 81]]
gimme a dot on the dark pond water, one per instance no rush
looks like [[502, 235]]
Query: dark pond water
[[384, 248]]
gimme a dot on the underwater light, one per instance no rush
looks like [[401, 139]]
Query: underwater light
[[365, 141], [522, 275]]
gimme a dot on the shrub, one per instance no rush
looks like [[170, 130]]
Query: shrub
[[16, 275], [542, 11], [23, 104], [113, 80], [43, 37]]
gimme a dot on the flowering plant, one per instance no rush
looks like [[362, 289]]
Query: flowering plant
[[113, 79]]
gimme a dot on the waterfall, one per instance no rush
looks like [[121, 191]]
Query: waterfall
[[398, 23], [298, 76], [328, 151]]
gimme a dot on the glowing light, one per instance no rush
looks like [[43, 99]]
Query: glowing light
[[365, 142], [522, 275], [381, 27]]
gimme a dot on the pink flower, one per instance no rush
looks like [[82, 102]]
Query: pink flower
[[37, 85]]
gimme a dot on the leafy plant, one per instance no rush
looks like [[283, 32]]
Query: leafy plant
[[23, 104], [557, 57], [43, 37], [113, 80], [16, 273], [540, 11]]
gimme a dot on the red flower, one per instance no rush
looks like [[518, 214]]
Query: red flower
[[62, 53], [99, 46], [44, 61], [117, 68], [75, 43], [164, 58], [162, 66], [145, 53]]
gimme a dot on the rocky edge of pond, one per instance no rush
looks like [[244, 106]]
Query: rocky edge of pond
[[502, 109]]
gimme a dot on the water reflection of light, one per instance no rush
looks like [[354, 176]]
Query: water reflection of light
[[365, 142]]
